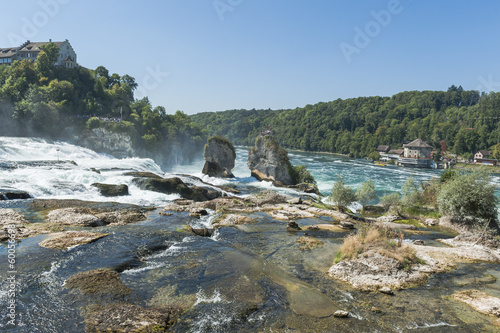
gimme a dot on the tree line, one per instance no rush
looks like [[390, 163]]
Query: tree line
[[41, 99], [457, 120]]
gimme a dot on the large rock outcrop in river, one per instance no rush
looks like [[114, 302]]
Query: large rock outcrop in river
[[219, 156], [268, 161]]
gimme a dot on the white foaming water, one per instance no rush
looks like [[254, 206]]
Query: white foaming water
[[42, 169]]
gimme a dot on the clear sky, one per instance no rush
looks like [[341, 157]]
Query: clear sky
[[211, 55]]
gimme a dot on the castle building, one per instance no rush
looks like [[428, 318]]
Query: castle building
[[31, 50]]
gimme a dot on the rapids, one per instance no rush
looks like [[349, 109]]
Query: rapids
[[253, 278]]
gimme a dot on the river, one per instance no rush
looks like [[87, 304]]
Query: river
[[248, 279]]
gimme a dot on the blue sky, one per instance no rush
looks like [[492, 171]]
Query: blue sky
[[211, 55]]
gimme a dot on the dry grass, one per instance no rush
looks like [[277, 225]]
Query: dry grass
[[386, 242]]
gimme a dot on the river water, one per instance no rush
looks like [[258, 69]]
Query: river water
[[248, 279]]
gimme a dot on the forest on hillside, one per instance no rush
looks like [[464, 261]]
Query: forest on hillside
[[40, 99], [465, 120]]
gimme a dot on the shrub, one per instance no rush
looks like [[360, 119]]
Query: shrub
[[386, 242], [366, 192], [93, 123], [342, 195], [469, 198], [302, 175], [412, 194], [390, 200]]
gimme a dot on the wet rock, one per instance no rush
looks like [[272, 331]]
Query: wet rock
[[124, 317], [295, 201], [121, 217], [203, 232], [431, 222], [327, 227], [12, 194], [418, 242], [98, 282], [341, 314], [233, 219], [392, 225], [110, 190], [95, 170], [339, 216], [376, 310], [177, 186], [346, 225], [268, 161], [386, 290], [74, 216], [219, 155], [308, 243], [293, 226], [67, 239], [480, 301], [143, 174], [290, 212], [158, 184]]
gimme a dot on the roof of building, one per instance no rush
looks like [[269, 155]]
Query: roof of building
[[485, 152], [418, 143], [7, 52], [396, 151], [36, 46], [383, 148]]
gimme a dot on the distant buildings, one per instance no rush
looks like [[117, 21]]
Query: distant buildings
[[484, 157], [30, 50], [416, 154]]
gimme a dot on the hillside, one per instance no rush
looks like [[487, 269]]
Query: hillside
[[40, 99], [466, 120]]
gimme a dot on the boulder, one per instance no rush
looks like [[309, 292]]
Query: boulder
[[81, 217], [110, 190], [293, 226], [176, 186], [341, 314], [12, 194], [233, 219], [67, 239], [98, 282], [219, 156], [268, 161], [125, 317], [431, 222]]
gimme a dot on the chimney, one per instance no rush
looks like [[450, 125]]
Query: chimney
[[50, 40]]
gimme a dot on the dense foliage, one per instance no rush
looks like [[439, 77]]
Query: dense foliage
[[456, 120], [38, 98], [469, 198], [342, 195]]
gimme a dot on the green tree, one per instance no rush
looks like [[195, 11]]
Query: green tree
[[391, 200], [46, 60], [469, 198], [342, 195], [412, 193], [366, 192], [303, 175]]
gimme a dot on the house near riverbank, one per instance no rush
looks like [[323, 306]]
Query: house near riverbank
[[484, 157], [416, 154], [31, 50]]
